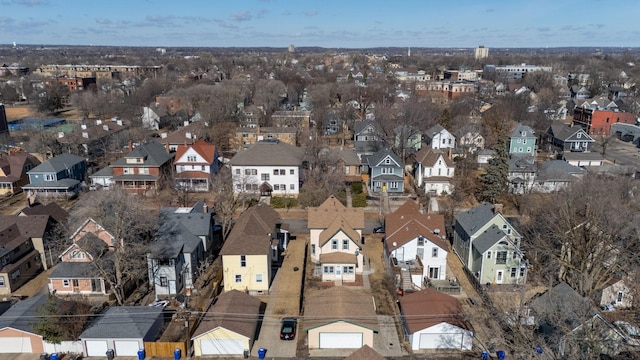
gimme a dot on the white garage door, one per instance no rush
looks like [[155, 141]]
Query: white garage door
[[440, 341], [96, 347], [126, 347], [222, 346], [340, 340], [12, 345]]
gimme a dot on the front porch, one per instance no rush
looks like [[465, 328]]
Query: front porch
[[193, 181]]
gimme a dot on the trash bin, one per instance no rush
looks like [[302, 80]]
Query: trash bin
[[246, 354], [177, 354], [501, 354], [485, 355], [262, 352], [110, 354], [54, 356], [141, 354], [44, 356]]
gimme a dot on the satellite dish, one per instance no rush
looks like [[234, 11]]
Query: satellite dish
[[394, 244], [436, 231]]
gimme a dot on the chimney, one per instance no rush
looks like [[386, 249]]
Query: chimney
[[185, 123], [98, 122], [205, 207], [498, 208], [130, 145], [119, 122], [83, 126], [166, 147]]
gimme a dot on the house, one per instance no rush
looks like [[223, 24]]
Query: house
[[143, 169], [434, 171], [555, 175], [367, 136], [124, 329], [434, 320], [472, 141], [568, 138], [59, 176], [484, 155], [522, 141], [13, 171], [93, 139], [386, 171], [346, 161], [570, 323], [78, 272], [183, 241], [16, 327], [407, 139], [583, 159], [617, 293], [437, 137], [489, 246], [293, 119], [251, 248], [229, 325], [20, 259], [195, 165], [188, 134], [333, 212], [39, 230], [102, 178], [267, 168], [339, 318], [245, 137], [416, 239], [57, 215], [522, 174], [340, 255]]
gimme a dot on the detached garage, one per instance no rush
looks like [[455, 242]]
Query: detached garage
[[339, 318], [16, 331], [434, 320], [229, 325], [124, 329]]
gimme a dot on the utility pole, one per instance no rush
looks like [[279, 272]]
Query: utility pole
[[188, 335]]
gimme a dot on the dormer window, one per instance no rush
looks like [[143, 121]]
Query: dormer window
[[387, 161]]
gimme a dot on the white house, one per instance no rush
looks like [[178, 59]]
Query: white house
[[472, 141], [267, 168], [150, 120], [433, 320], [439, 138], [434, 171]]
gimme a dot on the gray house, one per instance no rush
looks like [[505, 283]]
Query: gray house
[[367, 137], [566, 137], [123, 329], [489, 246], [522, 174], [59, 176], [183, 241], [386, 171]]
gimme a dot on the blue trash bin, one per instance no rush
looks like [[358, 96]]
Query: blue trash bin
[[54, 356], [501, 354], [177, 354], [262, 352], [485, 355], [141, 354]]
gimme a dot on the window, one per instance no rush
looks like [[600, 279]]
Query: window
[[522, 271], [578, 135], [258, 278], [292, 172], [276, 171], [191, 158], [237, 171], [238, 278], [349, 270], [513, 272], [334, 244], [488, 254], [202, 167], [313, 249], [328, 270], [15, 275], [283, 172], [77, 254], [346, 169], [128, 170], [247, 171], [420, 241], [501, 257], [243, 261], [48, 177], [163, 281], [345, 244], [264, 177], [620, 297], [143, 171], [524, 141], [515, 254], [420, 253], [434, 252], [2, 281], [292, 186], [387, 161]]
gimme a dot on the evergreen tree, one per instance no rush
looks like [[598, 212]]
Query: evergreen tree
[[494, 181], [47, 325]]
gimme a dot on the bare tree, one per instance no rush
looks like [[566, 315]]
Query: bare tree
[[226, 204]]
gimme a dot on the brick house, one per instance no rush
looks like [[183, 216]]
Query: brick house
[[142, 169], [597, 121]]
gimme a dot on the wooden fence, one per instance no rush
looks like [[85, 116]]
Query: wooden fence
[[164, 348]]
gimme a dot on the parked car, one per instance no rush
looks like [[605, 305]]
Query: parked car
[[630, 332], [379, 230], [288, 329]]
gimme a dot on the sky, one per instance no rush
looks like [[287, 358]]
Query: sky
[[323, 23]]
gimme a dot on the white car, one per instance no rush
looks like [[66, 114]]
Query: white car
[[630, 332]]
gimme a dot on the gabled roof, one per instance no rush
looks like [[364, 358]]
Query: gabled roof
[[522, 164], [429, 307], [24, 314], [233, 310], [322, 216], [563, 132], [360, 126], [562, 306], [428, 157], [252, 232], [521, 131], [488, 238], [89, 244], [207, 151], [338, 224], [377, 158], [269, 153], [473, 219], [125, 322], [408, 223], [52, 209], [364, 353], [434, 130], [33, 226], [558, 170], [11, 239], [338, 303], [12, 165], [57, 164], [153, 154], [75, 270]]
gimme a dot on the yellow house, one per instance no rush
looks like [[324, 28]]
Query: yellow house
[[228, 326], [250, 249], [346, 321]]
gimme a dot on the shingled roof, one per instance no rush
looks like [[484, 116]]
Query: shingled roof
[[233, 310], [252, 232], [339, 304], [269, 153], [408, 222], [428, 307], [322, 216]]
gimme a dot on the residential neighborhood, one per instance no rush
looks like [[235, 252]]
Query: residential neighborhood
[[300, 203]]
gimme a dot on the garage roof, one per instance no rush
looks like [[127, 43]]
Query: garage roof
[[233, 310], [428, 307], [124, 322], [340, 304]]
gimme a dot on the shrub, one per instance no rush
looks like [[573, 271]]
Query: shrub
[[359, 200], [356, 188], [283, 202]]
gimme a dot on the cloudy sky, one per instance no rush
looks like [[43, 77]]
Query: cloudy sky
[[325, 23]]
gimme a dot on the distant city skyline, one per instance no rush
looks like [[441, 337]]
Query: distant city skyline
[[329, 23]]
